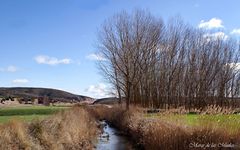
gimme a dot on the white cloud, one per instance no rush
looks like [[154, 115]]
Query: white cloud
[[43, 59], [98, 91], [215, 36], [212, 23], [9, 69], [236, 31], [97, 57], [12, 69], [235, 66], [20, 81]]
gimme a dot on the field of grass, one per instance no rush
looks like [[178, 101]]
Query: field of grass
[[27, 113], [229, 122], [4, 119]]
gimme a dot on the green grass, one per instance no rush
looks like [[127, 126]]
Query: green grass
[[27, 113], [28, 118], [229, 122], [37, 110]]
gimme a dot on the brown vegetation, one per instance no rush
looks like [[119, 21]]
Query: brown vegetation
[[211, 110], [71, 129], [158, 133]]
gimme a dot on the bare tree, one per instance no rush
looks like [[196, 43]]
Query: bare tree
[[127, 42], [167, 65]]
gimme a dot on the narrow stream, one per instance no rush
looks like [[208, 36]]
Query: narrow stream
[[111, 139]]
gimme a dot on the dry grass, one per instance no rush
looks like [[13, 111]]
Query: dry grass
[[210, 109], [162, 133], [213, 109], [71, 129]]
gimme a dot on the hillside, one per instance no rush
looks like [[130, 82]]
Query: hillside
[[53, 94]]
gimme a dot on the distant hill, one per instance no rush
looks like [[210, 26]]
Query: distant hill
[[53, 94], [109, 100]]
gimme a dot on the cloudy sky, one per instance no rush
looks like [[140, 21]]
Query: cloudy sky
[[51, 43]]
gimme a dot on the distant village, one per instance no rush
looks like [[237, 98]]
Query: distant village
[[33, 101]]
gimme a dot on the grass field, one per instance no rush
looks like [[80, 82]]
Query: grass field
[[230, 122], [27, 113]]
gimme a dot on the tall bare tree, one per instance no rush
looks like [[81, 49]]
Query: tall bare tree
[[167, 65]]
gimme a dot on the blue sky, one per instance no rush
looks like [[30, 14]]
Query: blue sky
[[51, 43]]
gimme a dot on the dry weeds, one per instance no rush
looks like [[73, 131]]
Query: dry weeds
[[71, 129], [157, 133]]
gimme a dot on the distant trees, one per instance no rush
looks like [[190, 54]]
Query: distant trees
[[168, 65]]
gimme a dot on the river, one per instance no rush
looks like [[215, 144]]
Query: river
[[112, 139]]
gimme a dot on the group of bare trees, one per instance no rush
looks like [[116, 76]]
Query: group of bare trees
[[171, 64]]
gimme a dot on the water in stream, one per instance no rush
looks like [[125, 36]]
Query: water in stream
[[111, 139]]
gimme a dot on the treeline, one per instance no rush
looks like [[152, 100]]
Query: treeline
[[163, 65]]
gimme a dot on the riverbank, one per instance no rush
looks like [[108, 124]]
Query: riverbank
[[166, 132], [71, 129], [79, 128]]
